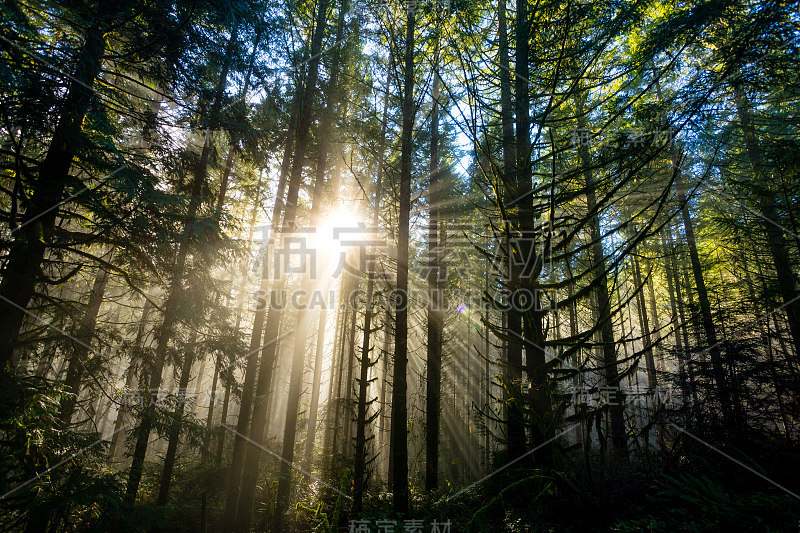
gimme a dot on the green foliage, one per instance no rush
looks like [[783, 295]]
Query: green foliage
[[57, 475], [699, 503]]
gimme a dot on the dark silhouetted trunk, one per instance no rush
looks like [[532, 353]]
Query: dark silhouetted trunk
[[530, 262], [172, 305], [82, 343], [705, 318], [175, 428], [24, 260], [399, 429], [771, 221], [252, 365], [259, 417], [435, 312], [601, 294], [512, 318], [304, 318]]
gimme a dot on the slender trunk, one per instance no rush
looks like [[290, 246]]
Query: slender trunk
[[706, 319], [172, 305], [387, 316], [360, 466], [399, 383], [130, 380], [683, 324], [260, 405], [679, 353], [512, 318], [487, 398], [223, 421], [83, 338], [360, 463], [290, 425], [175, 428], [251, 356], [335, 383], [211, 401], [347, 318], [602, 298], [311, 434], [651, 293], [295, 379], [387, 338], [435, 314], [240, 445], [776, 241], [351, 356], [324, 134], [573, 333], [767, 335], [644, 322]]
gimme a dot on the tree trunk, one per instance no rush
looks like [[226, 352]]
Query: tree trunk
[[24, 260], [130, 381], [177, 416], [240, 445], [676, 325], [387, 338], [602, 298], [651, 293], [399, 428], [706, 319], [644, 322], [311, 434], [360, 466], [684, 322], [84, 335], [172, 305], [512, 318], [211, 401], [778, 248], [351, 356], [387, 316], [531, 263], [290, 426], [335, 384], [260, 405], [435, 314], [296, 376], [342, 381]]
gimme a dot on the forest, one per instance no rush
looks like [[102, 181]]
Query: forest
[[378, 266]]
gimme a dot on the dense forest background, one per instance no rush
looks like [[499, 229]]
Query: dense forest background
[[446, 265]]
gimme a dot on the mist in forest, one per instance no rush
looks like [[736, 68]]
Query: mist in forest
[[399, 266]]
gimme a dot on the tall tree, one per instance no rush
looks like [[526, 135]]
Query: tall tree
[[272, 327], [171, 306], [36, 225], [435, 315], [513, 319], [399, 423]]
